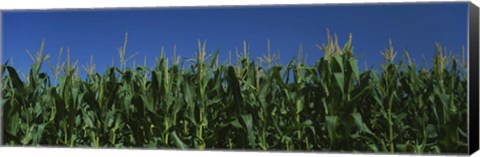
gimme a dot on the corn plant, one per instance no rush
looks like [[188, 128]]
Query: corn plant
[[251, 104]]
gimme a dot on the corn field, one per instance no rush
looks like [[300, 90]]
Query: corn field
[[247, 105]]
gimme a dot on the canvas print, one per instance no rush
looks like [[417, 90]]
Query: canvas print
[[353, 78]]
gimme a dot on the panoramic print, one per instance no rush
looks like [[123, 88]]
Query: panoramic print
[[377, 78]]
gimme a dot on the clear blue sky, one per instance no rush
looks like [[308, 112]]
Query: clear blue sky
[[100, 32]]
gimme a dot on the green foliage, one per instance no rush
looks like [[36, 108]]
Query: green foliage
[[329, 106]]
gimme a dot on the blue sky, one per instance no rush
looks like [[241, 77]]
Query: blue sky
[[100, 32]]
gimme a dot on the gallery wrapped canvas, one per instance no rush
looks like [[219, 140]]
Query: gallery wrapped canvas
[[351, 78]]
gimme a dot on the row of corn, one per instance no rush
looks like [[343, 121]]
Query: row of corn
[[250, 105]]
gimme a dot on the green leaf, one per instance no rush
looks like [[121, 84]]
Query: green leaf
[[354, 67], [247, 120], [236, 124], [16, 81], [359, 122], [373, 147], [444, 99], [178, 142], [331, 127], [340, 79], [339, 62]]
